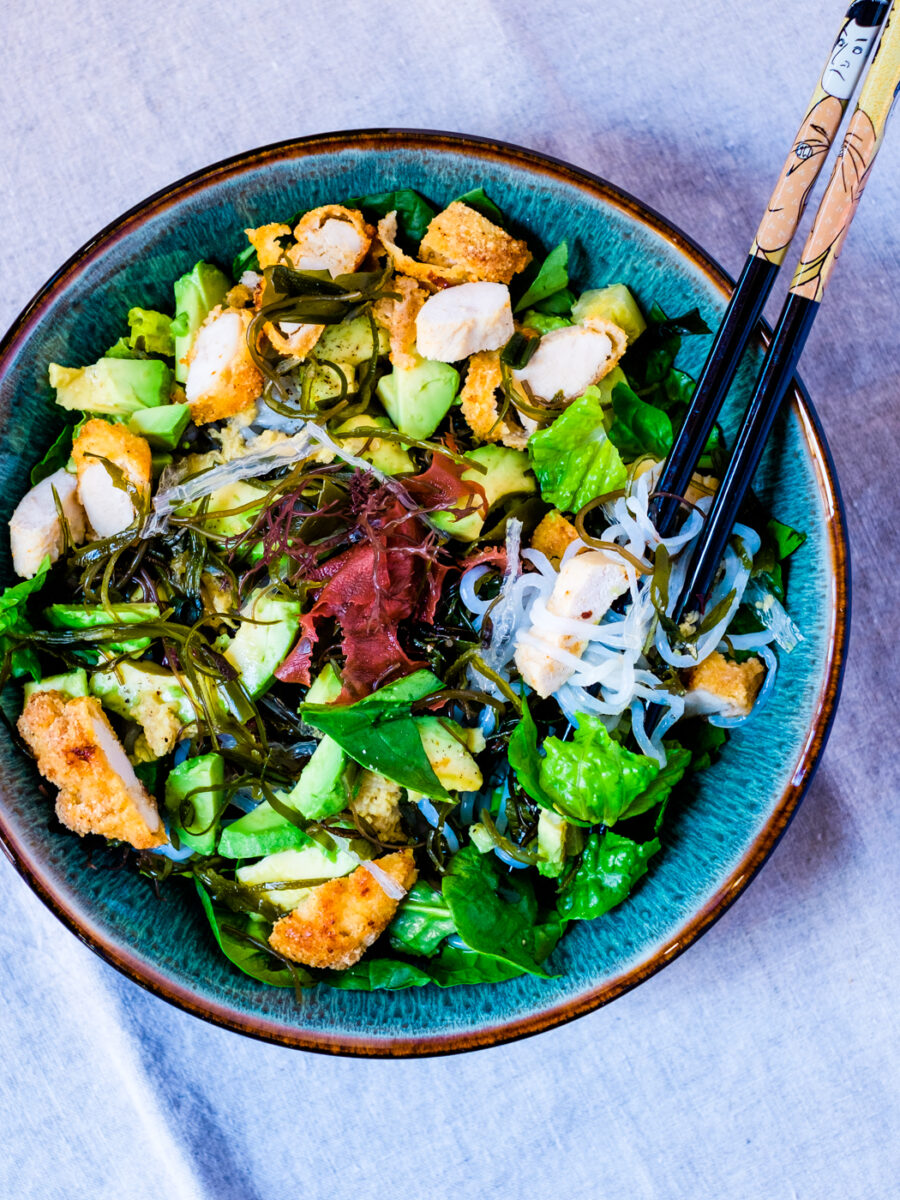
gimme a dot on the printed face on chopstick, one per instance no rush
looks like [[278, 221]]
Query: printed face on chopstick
[[850, 49]]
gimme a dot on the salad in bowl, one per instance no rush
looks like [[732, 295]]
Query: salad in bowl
[[341, 603]]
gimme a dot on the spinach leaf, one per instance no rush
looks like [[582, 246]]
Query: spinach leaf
[[524, 758], [481, 202], [56, 456], [609, 868], [422, 921], [377, 975], [380, 733], [552, 277], [593, 779], [233, 932], [786, 539], [484, 921], [559, 304], [574, 459], [413, 213], [246, 260], [457, 965], [639, 428]]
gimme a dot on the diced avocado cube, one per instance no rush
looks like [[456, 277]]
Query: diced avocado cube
[[614, 303], [161, 426], [116, 387], [233, 496], [95, 616], [418, 398], [151, 332], [130, 689], [312, 862], [320, 791], [325, 384], [326, 687], [263, 639], [262, 831], [480, 838], [201, 807], [386, 456], [72, 683], [410, 687], [543, 322], [454, 766], [196, 294], [508, 473], [350, 342]]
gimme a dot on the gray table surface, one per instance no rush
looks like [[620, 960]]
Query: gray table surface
[[763, 1062]]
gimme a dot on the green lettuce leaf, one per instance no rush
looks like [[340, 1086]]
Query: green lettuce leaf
[[380, 733], [592, 779], [246, 260], [610, 867], [639, 428], [150, 332], [573, 458], [486, 922], [551, 278], [525, 759], [413, 213], [13, 601], [786, 539], [678, 760]]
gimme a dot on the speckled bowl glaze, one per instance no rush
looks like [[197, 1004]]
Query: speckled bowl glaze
[[716, 841]]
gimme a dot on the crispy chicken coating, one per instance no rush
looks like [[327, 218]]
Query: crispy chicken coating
[[337, 921], [553, 536], [478, 400], [77, 750], [222, 377], [377, 801], [461, 237], [293, 338], [398, 317], [331, 238], [432, 276], [737, 683], [108, 507], [265, 242]]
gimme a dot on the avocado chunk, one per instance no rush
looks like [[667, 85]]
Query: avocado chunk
[[225, 499], [161, 426], [558, 840], [72, 683], [263, 639], [386, 456], [454, 766], [418, 398], [350, 342], [150, 332], [614, 303], [508, 474], [201, 807], [312, 862], [262, 831], [197, 293], [116, 387], [321, 791], [94, 616], [138, 690]]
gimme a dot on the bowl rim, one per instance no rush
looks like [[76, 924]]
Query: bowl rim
[[155, 979]]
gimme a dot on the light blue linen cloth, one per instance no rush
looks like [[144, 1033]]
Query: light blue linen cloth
[[764, 1063]]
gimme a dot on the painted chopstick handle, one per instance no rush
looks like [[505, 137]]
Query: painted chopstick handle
[[862, 141], [838, 81]]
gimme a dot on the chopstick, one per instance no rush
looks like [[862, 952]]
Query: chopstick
[[819, 127], [862, 141]]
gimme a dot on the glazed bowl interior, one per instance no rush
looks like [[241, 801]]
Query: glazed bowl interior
[[732, 815]]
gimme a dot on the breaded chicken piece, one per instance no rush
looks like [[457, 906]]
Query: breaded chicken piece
[[222, 377], [265, 242], [461, 237], [700, 486], [35, 530], [569, 360], [432, 276], [77, 750], [291, 338], [338, 921], [108, 507], [478, 401], [720, 678], [331, 238], [585, 588], [398, 317], [553, 536], [377, 801]]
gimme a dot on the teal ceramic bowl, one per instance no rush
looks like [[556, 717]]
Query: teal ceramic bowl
[[721, 835]]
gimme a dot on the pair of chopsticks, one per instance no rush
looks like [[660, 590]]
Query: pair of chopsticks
[[862, 140]]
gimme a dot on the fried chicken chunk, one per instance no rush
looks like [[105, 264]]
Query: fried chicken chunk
[[265, 241], [377, 800], [331, 238], [737, 683], [553, 536], [222, 379], [461, 237], [478, 400], [77, 750], [108, 507], [398, 317], [337, 921]]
